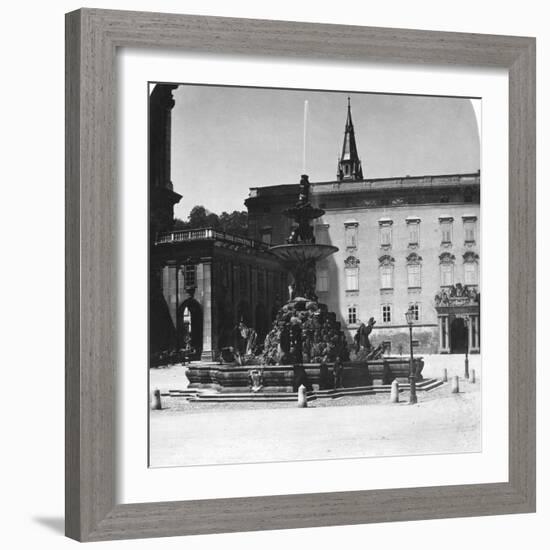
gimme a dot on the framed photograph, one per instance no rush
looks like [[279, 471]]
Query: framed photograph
[[300, 275]]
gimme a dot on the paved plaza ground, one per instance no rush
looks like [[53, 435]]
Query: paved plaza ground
[[186, 433]]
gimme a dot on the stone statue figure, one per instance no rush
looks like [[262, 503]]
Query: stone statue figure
[[303, 232], [361, 337], [246, 344], [303, 196], [255, 378], [376, 353], [445, 297], [302, 214]]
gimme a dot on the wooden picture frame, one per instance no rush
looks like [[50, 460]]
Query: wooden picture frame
[[92, 39]]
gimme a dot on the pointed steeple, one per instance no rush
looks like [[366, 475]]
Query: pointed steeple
[[349, 165]]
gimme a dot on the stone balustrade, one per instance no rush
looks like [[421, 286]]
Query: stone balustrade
[[202, 234]]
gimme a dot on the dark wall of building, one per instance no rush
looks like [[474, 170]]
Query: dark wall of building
[[161, 191], [228, 283], [266, 219]]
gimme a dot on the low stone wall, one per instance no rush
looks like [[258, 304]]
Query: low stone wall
[[287, 378], [426, 339]]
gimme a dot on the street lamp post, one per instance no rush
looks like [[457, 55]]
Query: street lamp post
[[409, 315], [466, 361]]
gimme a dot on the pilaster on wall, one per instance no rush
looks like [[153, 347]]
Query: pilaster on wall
[[204, 282], [473, 334], [444, 341], [169, 290]]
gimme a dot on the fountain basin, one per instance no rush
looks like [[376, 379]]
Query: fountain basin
[[296, 255], [304, 211], [285, 378]]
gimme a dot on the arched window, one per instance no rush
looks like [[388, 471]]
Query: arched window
[[322, 279], [446, 269], [352, 273], [386, 271], [414, 271], [321, 234], [471, 275]]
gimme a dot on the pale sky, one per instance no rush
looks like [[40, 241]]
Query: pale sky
[[226, 140]]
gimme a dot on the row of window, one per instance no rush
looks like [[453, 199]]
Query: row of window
[[385, 231], [386, 313], [414, 276]]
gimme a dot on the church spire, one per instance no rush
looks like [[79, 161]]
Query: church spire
[[349, 165]]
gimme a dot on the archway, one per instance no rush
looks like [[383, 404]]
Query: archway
[[195, 328], [458, 336]]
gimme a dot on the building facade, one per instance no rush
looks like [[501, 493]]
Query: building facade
[[209, 282], [402, 242]]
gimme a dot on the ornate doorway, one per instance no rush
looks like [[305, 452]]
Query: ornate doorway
[[458, 336], [458, 318]]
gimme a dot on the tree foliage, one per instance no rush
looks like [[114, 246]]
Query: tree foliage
[[234, 222]]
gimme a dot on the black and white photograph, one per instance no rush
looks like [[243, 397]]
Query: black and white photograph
[[314, 285], [277, 274]]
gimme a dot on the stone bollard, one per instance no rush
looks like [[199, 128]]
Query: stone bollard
[[394, 395], [454, 387], [157, 403], [302, 396], [445, 377], [473, 376]]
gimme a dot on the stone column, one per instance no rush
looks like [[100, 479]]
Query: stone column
[[169, 289], [253, 284], [475, 320], [178, 278], [236, 288], [206, 302], [470, 322], [444, 334]]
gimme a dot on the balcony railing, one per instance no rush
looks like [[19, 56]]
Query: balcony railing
[[208, 234]]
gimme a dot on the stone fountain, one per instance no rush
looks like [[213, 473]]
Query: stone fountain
[[306, 340], [304, 331]]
